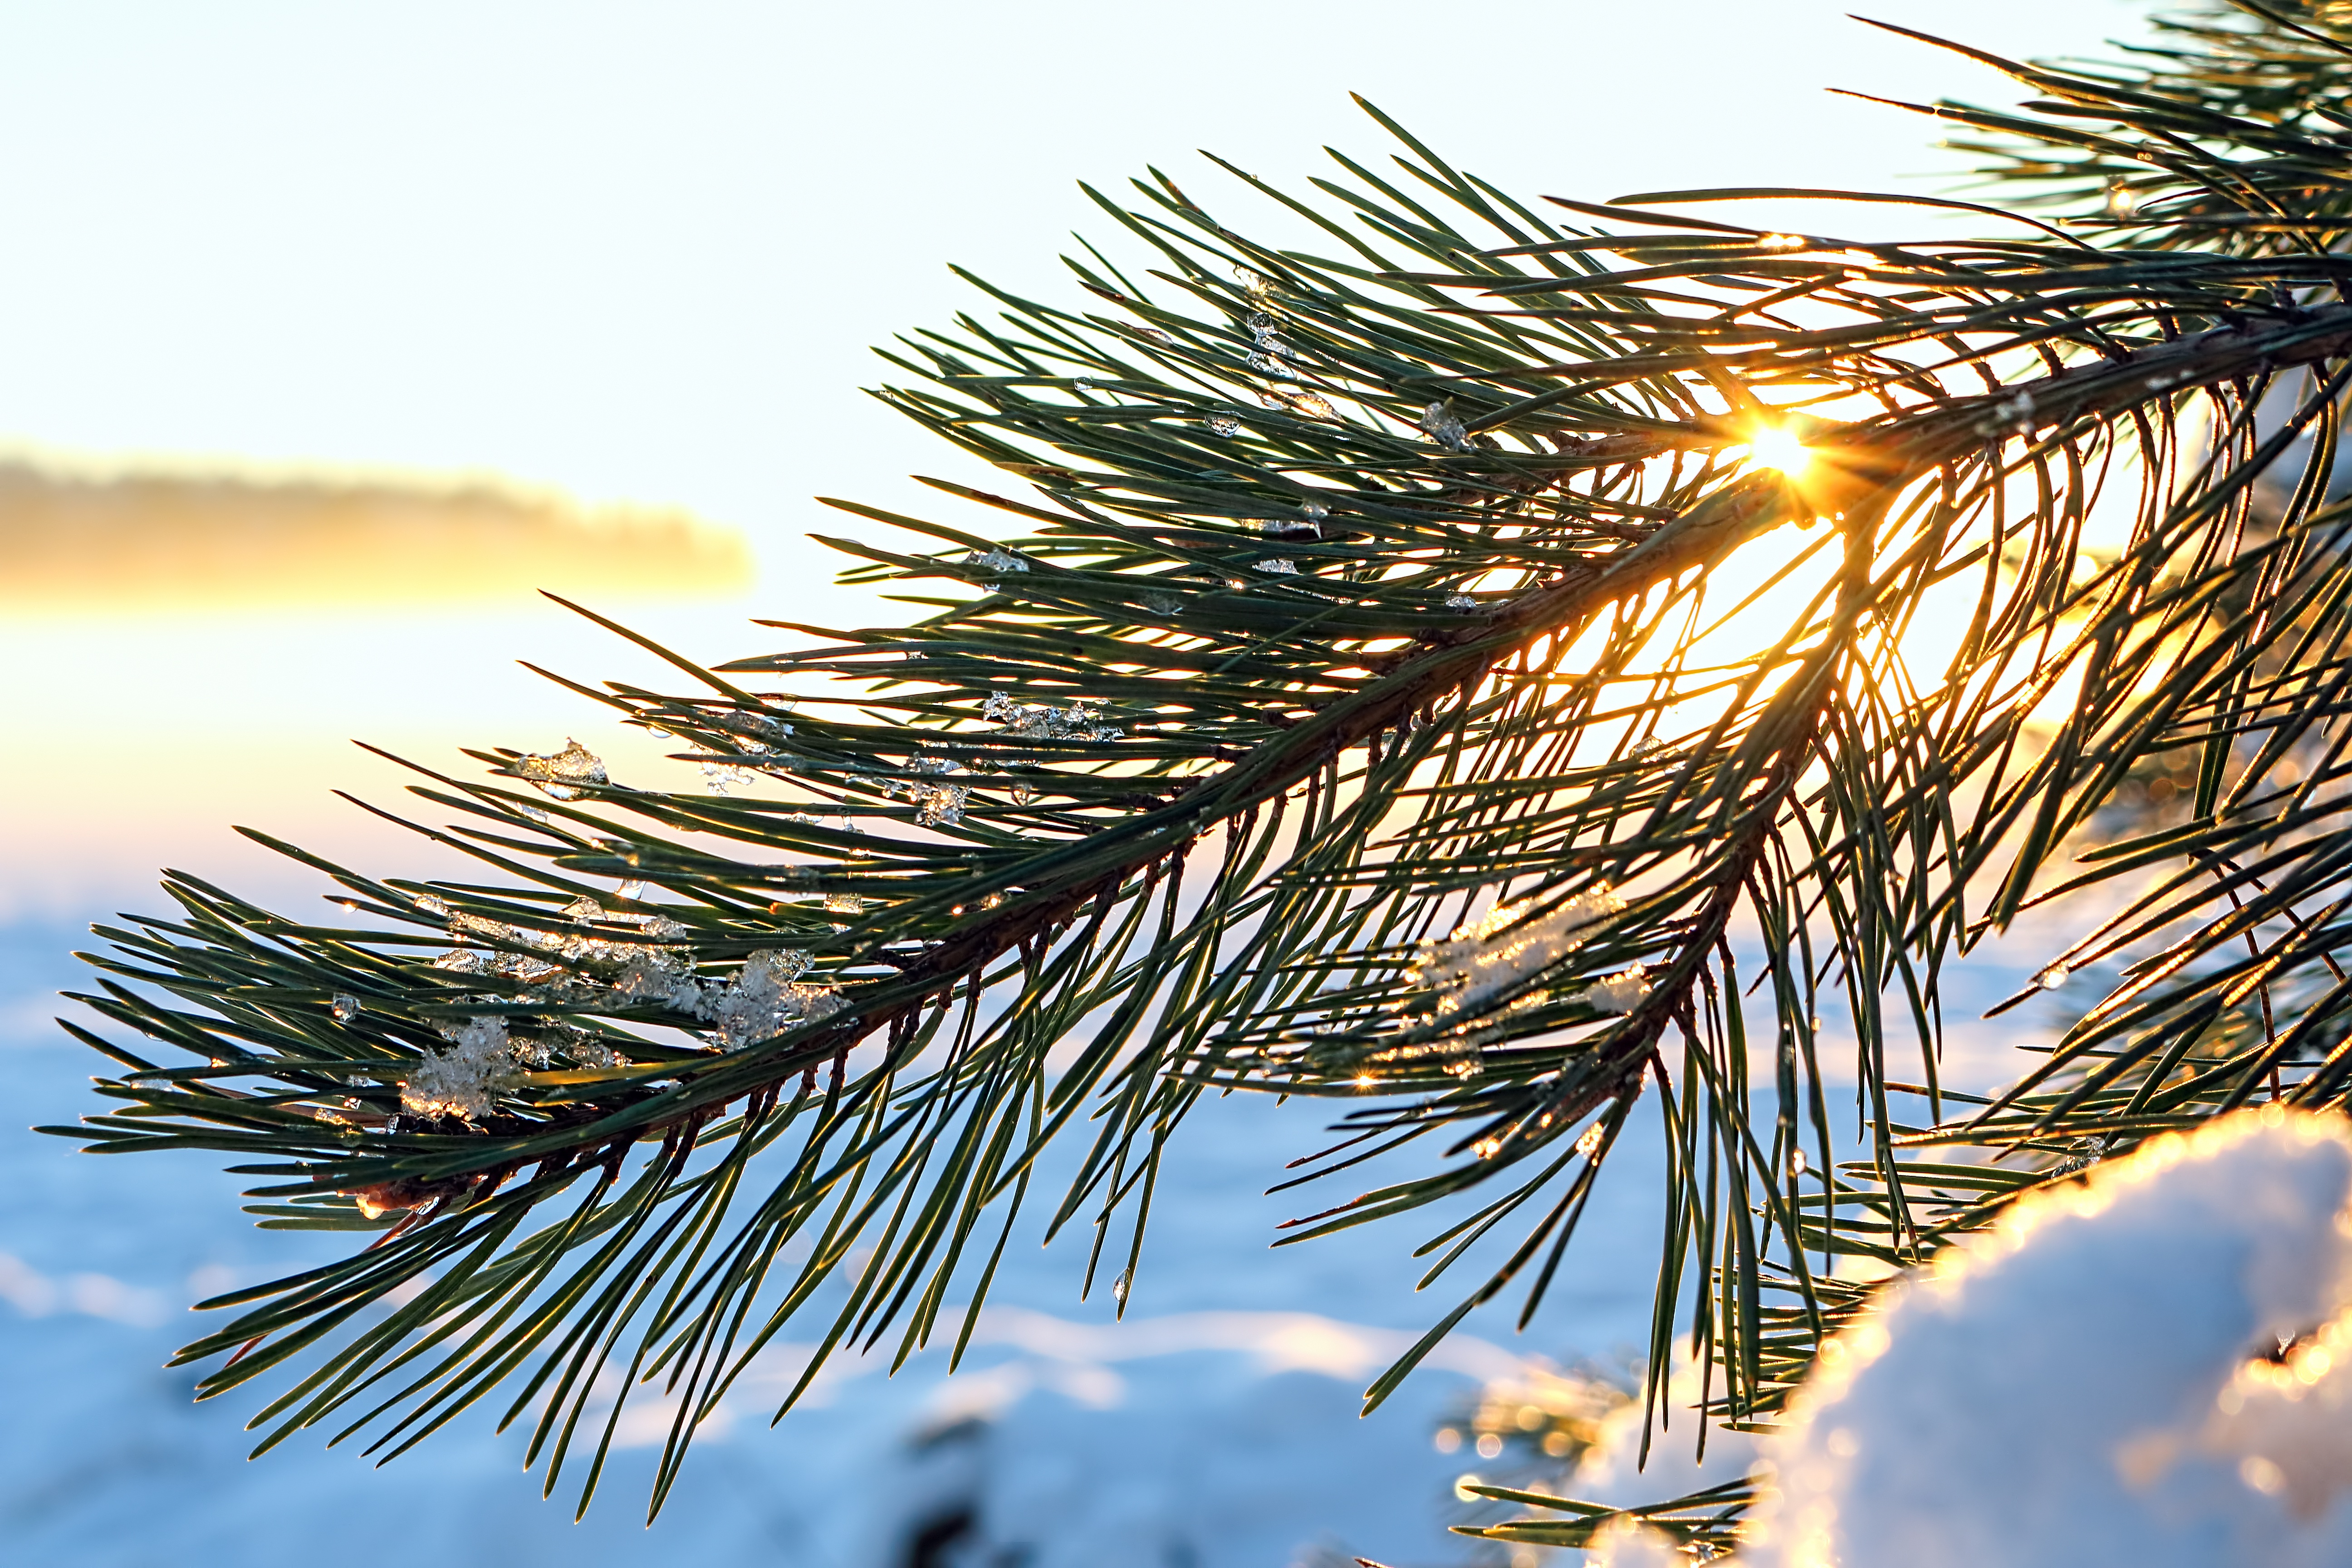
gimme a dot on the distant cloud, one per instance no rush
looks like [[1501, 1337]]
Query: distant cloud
[[36, 1295], [78, 542]]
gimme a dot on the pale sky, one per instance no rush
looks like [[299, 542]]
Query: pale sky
[[638, 251]]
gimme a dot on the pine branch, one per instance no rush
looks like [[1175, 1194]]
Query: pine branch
[[1351, 722]]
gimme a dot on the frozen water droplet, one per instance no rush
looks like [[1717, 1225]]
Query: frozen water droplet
[[2052, 977], [843, 904], [1279, 567], [584, 910], [1461, 602], [1797, 1162], [1120, 1285], [1082, 384], [1224, 424], [427, 904], [1444, 426], [632, 889], [346, 1008], [1315, 510]]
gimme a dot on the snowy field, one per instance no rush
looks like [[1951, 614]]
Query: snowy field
[[1216, 1428]]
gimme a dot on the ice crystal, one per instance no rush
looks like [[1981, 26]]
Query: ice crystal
[[1619, 992], [1224, 424], [765, 998], [561, 774], [1589, 1143], [1307, 404], [2052, 977], [2123, 202], [1152, 335], [1042, 722], [1266, 363], [632, 889], [532, 812], [1022, 795], [426, 904], [1646, 745], [717, 776], [464, 1079], [1461, 601], [996, 561], [346, 1007], [1257, 285], [661, 928], [584, 910], [653, 975], [1277, 567], [1498, 953], [588, 1051], [1122, 1285], [2017, 413], [2080, 1155], [463, 960], [1315, 511], [936, 805], [1444, 426], [756, 725], [843, 904], [483, 927], [1162, 604]]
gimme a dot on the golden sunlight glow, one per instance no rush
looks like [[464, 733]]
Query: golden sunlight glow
[[1776, 446]]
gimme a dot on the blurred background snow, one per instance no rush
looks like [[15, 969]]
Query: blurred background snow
[[605, 275]]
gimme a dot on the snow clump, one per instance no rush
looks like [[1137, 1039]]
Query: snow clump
[[2152, 1366], [1496, 952], [465, 1079]]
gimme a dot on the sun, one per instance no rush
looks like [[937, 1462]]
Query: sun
[[1776, 446]]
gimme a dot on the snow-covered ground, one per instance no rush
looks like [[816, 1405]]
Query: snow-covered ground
[[1216, 1426]]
